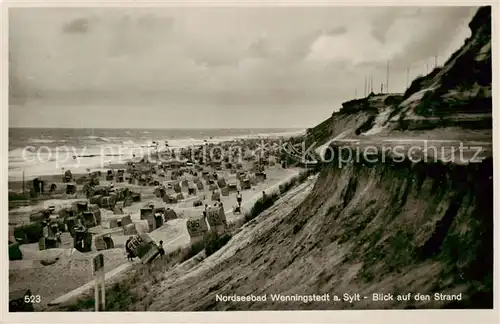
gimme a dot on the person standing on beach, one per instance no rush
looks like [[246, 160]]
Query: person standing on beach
[[162, 251], [239, 199], [130, 254], [205, 212]]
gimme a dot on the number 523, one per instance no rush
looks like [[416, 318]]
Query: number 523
[[32, 299]]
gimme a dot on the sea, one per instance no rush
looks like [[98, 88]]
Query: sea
[[35, 152]]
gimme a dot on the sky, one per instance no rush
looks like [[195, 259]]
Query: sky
[[215, 67]]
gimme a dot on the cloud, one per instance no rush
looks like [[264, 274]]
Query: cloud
[[75, 26], [435, 31], [259, 48], [262, 56], [340, 30]]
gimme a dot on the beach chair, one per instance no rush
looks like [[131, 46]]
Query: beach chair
[[82, 241], [81, 206], [53, 188], [245, 184], [158, 220], [221, 182], [15, 252], [217, 219], [100, 243], [159, 192], [67, 176], [170, 214], [70, 189], [88, 219], [197, 228], [144, 247], [146, 212], [113, 223], [261, 176], [97, 213], [70, 224], [215, 196], [136, 197], [130, 229], [126, 220]]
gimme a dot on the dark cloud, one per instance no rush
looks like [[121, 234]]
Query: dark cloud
[[258, 48], [213, 60], [441, 28], [340, 30], [77, 26], [300, 47], [382, 23], [154, 22], [136, 34], [413, 13]]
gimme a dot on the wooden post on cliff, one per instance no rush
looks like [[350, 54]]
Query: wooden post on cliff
[[98, 271], [407, 77], [387, 78], [364, 94], [23, 182]]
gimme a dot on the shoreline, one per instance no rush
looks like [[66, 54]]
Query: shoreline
[[16, 175]]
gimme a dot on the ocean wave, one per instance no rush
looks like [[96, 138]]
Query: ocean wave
[[41, 141], [104, 139], [19, 153], [94, 155], [185, 142]]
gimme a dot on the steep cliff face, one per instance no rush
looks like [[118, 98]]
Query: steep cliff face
[[354, 118], [462, 87], [382, 229]]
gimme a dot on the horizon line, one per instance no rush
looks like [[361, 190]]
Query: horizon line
[[156, 128]]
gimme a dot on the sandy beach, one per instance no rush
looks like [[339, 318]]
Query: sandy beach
[[44, 271]]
